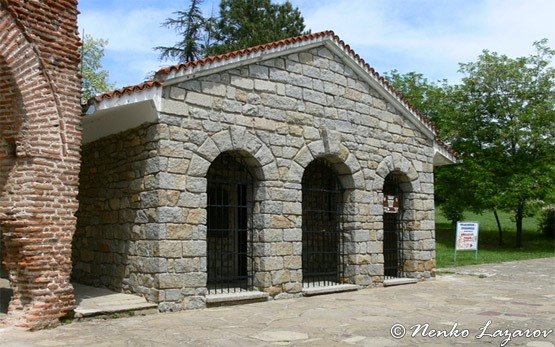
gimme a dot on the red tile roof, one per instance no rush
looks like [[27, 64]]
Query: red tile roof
[[277, 44], [245, 51], [128, 89]]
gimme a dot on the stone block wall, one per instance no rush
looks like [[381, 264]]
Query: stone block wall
[[297, 108], [40, 139], [116, 245], [131, 228], [278, 115]]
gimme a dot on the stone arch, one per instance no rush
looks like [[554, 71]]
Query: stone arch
[[342, 160], [257, 155], [353, 182], [395, 162], [409, 184], [259, 160]]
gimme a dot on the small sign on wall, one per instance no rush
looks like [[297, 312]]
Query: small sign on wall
[[467, 237], [390, 204]]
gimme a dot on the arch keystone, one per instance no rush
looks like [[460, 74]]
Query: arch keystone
[[317, 149], [223, 140], [209, 150]]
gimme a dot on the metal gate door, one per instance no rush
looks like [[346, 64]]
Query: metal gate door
[[392, 229], [229, 241], [322, 244]]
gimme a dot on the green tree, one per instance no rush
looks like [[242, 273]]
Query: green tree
[[504, 127], [246, 23], [501, 119], [435, 100], [94, 77], [190, 26]]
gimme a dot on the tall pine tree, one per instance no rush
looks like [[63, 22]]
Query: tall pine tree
[[189, 25], [240, 24]]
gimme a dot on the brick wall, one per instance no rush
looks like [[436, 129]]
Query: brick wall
[[40, 139]]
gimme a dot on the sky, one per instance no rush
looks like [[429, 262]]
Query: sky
[[427, 36]]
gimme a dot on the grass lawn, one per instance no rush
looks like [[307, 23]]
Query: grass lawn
[[535, 244]]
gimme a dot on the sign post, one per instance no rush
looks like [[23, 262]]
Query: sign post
[[467, 238]]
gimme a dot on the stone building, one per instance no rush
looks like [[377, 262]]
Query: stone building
[[280, 170], [40, 139]]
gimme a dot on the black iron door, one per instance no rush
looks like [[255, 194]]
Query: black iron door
[[391, 249], [229, 242], [392, 228], [322, 244]]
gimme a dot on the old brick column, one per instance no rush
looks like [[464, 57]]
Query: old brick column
[[40, 140]]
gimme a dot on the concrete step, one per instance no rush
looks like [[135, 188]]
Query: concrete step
[[93, 302], [398, 281], [235, 298], [319, 290]]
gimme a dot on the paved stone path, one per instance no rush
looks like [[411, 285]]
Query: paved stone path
[[511, 296]]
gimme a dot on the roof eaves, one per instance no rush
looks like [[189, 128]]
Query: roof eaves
[[126, 90], [131, 94]]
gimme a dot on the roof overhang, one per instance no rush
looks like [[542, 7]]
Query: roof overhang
[[114, 115], [192, 72], [443, 157]]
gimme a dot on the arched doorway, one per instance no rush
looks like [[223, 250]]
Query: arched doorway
[[393, 226], [322, 243], [229, 225]]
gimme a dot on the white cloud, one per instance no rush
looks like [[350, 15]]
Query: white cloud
[[132, 33], [428, 36], [433, 36]]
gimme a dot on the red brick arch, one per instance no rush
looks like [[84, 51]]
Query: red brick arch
[[39, 155], [30, 87]]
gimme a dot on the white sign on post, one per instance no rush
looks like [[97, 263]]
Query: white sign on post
[[467, 237]]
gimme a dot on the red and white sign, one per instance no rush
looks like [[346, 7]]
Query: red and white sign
[[390, 204], [467, 236]]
